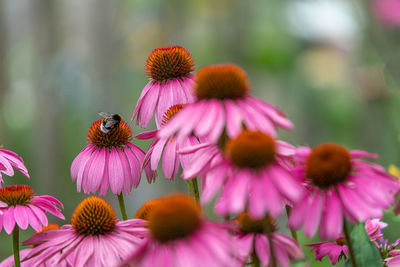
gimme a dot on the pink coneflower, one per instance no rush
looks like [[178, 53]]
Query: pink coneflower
[[247, 169], [23, 208], [180, 237], [374, 229], [334, 250], [387, 11], [95, 237], [167, 148], [257, 236], [109, 161], [8, 161], [339, 185], [223, 102], [169, 69], [9, 262]]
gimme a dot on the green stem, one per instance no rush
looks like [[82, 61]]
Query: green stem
[[255, 262], [15, 235], [293, 232], [122, 206], [271, 251], [349, 244], [194, 189]]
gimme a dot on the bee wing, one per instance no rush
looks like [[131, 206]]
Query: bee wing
[[105, 114]]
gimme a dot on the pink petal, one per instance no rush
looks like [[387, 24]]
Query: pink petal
[[85, 158], [332, 220], [285, 183], [8, 220], [362, 154], [96, 170], [21, 217], [170, 162], [313, 214], [150, 101], [233, 118], [115, 173], [76, 164], [219, 123], [7, 169], [262, 249], [147, 135]]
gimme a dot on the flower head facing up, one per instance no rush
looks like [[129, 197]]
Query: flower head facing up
[[171, 82], [223, 105], [169, 62], [109, 161], [338, 185], [328, 165], [95, 238], [116, 137], [251, 149], [175, 217], [225, 81], [258, 235], [14, 195], [180, 236], [93, 216], [19, 206], [246, 169]]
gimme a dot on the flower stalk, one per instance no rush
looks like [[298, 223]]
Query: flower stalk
[[293, 232], [255, 261], [349, 244], [122, 206], [15, 235], [194, 189]]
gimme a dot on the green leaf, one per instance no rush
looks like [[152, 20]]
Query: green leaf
[[366, 253]]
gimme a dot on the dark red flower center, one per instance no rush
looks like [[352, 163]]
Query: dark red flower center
[[340, 241], [174, 217], [172, 111], [247, 225], [251, 149], [226, 81], [14, 195], [116, 137], [168, 63], [93, 216], [328, 165]]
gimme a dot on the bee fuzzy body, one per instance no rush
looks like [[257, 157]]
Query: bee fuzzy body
[[109, 122]]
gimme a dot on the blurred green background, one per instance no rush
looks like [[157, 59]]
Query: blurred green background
[[330, 65]]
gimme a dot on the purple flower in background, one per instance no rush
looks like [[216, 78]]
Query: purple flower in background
[[334, 250], [252, 238], [387, 11], [339, 185]]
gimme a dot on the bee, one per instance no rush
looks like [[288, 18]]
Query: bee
[[109, 122]]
